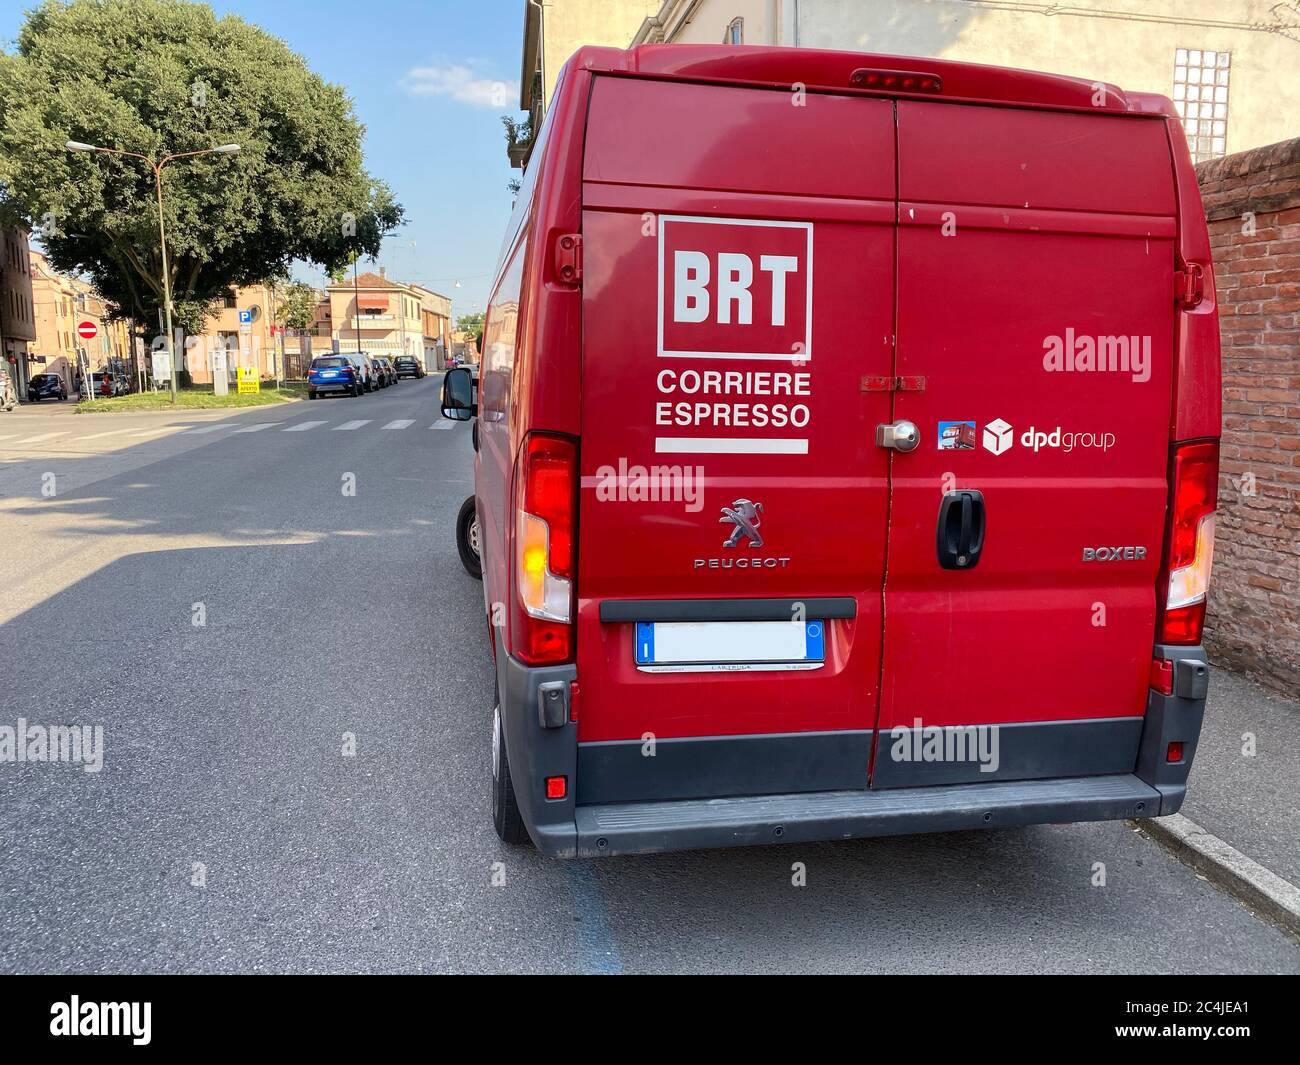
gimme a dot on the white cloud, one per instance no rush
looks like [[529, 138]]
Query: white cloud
[[458, 82]]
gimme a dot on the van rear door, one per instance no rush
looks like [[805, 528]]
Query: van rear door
[[1035, 306], [729, 468]]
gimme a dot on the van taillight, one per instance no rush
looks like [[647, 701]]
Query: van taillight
[[546, 483], [1190, 545]]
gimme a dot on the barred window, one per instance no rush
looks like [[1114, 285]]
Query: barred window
[[1201, 99]]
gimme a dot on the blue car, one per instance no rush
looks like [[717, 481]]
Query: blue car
[[332, 373]]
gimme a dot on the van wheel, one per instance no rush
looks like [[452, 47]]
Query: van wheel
[[468, 541], [506, 818]]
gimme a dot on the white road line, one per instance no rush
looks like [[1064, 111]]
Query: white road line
[[443, 425], [301, 427], [400, 423], [256, 428], [205, 429], [353, 425], [39, 438], [151, 432]]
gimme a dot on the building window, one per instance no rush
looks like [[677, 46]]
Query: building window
[[1201, 100], [229, 300], [735, 32]]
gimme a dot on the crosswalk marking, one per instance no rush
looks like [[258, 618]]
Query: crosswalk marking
[[42, 436], [111, 432], [17, 440]]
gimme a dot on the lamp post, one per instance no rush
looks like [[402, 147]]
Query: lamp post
[[221, 149]]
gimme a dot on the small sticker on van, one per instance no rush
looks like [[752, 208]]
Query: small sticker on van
[[956, 436]]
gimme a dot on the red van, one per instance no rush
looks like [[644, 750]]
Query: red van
[[736, 587]]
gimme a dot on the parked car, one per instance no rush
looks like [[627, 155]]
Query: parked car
[[122, 384], [364, 369], [330, 374], [104, 385], [381, 372], [408, 366], [46, 386], [391, 370], [372, 373], [846, 630]]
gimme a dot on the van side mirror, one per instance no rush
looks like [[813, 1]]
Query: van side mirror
[[458, 395]]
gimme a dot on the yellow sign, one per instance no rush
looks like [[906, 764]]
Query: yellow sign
[[248, 379]]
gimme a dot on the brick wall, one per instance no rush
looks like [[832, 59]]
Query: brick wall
[[1252, 202]]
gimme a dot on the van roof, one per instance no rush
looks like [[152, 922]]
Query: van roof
[[821, 70]]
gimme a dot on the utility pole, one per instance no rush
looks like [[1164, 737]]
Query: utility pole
[[356, 303]]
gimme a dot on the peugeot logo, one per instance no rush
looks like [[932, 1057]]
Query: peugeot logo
[[746, 517]]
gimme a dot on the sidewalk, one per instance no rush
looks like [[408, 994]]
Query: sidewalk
[[1251, 803]]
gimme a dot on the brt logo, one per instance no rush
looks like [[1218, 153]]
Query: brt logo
[[732, 288]]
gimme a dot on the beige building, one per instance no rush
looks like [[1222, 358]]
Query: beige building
[[17, 310], [554, 30], [317, 339], [376, 315], [1232, 67], [435, 318], [395, 318], [241, 328], [61, 304]]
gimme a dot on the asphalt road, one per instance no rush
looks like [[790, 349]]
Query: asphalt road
[[227, 831]]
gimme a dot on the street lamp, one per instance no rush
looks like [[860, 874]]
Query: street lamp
[[221, 149]]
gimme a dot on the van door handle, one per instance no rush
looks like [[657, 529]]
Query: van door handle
[[901, 436], [961, 529]]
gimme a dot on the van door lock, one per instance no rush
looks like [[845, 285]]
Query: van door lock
[[901, 436]]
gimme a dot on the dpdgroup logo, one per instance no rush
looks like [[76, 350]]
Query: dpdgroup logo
[[735, 288]]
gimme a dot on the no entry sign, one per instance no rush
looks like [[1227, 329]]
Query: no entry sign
[[87, 330]]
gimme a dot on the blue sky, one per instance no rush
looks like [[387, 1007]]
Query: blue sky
[[427, 78]]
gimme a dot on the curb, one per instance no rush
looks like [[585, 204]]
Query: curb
[[1263, 891]]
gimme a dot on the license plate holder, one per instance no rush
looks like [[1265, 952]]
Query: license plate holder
[[729, 646]]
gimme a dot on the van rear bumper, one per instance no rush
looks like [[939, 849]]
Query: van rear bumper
[[565, 829], [640, 828]]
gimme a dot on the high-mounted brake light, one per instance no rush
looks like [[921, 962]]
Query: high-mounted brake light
[[546, 483], [896, 80], [1190, 542]]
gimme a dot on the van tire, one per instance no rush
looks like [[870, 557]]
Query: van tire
[[506, 819], [468, 539]]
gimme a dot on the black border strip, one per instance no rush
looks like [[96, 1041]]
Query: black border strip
[[616, 610]]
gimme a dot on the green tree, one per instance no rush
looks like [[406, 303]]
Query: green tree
[[471, 324], [165, 76], [296, 306]]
